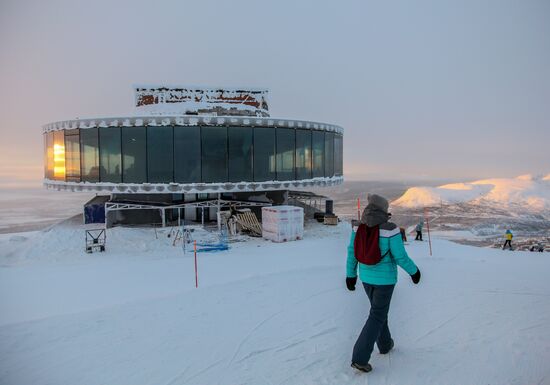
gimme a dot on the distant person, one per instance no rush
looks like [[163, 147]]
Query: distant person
[[418, 229], [508, 241], [384, 239], [403, 234]]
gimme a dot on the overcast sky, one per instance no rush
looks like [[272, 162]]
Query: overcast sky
[[424, 89]]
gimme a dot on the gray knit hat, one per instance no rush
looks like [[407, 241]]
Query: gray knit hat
[[376, 211], [378, 201]]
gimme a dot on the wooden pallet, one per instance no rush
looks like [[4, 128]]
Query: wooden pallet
[[248, 221]]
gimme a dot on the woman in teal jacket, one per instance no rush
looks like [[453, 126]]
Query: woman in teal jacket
[[378, 280]]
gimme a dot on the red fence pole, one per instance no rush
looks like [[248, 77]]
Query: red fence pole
[[358, 209], [428, 228], [196, 271]]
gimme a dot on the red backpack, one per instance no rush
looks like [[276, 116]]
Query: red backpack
[[366, 248]]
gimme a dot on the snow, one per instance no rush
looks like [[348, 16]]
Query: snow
[[264, 313], [526, 192]]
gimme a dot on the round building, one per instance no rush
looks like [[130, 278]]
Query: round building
[[191, 140]]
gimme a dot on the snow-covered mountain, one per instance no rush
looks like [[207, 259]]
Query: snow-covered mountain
[[525, 192]]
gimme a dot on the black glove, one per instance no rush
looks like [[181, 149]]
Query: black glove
[[416, 276], [350, 283]]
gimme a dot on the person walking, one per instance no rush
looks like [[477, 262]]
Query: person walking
[[418, 229], [508, 237], [378, 279]]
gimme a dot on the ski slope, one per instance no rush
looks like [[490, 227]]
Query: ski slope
[[264, 313]]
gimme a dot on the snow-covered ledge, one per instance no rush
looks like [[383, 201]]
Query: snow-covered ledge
[[183, 120], [189, 188]]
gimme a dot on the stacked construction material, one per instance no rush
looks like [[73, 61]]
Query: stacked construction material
[[282, 223]]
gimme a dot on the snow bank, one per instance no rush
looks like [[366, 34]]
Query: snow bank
[[525, 191]]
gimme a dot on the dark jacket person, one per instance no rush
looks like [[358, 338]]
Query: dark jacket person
[[378, 280]]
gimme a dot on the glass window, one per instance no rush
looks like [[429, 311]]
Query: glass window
[[239, 153], [48, 143], [264, 154], [110, 155], [303, 154], [89, 155], [59, 155], [338, 154], [318, 150], [286, 146], [72, 155], [329, 154], [134, 157], [160, 154], [187, 154], [214, 154]]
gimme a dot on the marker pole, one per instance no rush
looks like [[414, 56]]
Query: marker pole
[[428, 228], [196, 271]]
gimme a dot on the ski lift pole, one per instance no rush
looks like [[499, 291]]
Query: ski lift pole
[[428, 228], [196, 272]]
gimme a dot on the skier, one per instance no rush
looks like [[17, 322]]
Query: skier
[[378, 280], [509, 237], [418, 229]]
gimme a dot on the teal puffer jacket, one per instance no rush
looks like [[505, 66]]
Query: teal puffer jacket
[[385, 271]]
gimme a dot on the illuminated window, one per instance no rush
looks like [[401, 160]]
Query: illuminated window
[[59, 155]]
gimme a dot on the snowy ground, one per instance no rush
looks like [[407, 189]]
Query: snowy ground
[[264, 313]]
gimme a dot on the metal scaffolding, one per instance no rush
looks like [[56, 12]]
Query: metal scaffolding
[[217, 203]]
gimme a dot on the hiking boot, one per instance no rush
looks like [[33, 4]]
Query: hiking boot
[[363, 368], [387, 350]]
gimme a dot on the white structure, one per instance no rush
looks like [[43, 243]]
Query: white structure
[[282, 223]]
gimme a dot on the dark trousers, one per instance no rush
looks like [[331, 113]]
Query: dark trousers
[[418, 235], [509, 243], [376, 328]]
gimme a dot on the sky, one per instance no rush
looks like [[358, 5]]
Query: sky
[[423, 89]]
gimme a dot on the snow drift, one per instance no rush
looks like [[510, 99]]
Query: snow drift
[[525, 192]]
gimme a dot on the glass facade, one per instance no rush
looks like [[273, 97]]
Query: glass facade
[[338, 155], [239, 151], [214, 154], [318, 152], [187, 154], [160, 154], [191, 154], [49, 154], [72, 155], [110, 157], [303, 154], [286, 147], [134, 157], [329, 154], [59, 155], [89, 155], [264, 154]]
